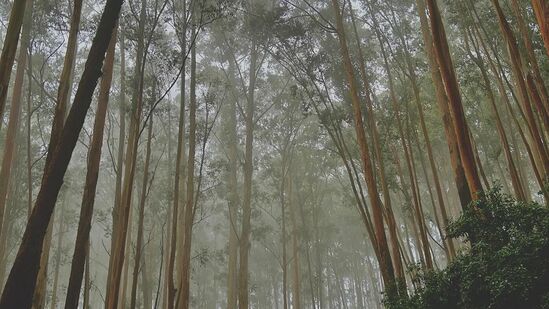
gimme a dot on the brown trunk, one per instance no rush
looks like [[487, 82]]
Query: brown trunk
[[60, 233], [526, 39], [408, 155], [86, 300], [15, 112], [385, 262], [183, 298], [515, 179], [137, 265], [448, 243], [88, 198], [444, 60], [118, 246], [391, 222], [232, 187], [9, 49], [121, 137], [442, 101], [541, 9], [19, 287], [248, 173], [296, 297], [516, 64], [39, 297]]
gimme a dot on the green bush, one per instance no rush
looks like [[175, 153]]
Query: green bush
[[506, 267]]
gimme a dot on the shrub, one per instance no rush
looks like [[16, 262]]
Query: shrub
[[506, 267]]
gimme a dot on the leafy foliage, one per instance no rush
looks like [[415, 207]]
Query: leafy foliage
[[506, 266]]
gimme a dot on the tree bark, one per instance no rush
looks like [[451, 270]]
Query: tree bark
[[92, 174], [243, 275], [19, 287], [386, 265], [444, 60], [9, 49], [15, 112], [137, 265], [183, 299], [541, 9], [121, 221]]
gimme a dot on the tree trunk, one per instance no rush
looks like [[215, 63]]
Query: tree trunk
[[137, 265], [531, 56], [122, 212], [9, 49], [232, 188], [516, 64], [179, 181], [296, 294], [444, 60], [60, 233], [243, 289], [541, 9], [92, 174], [183, 299], [442, 101], [19, 287], [15, 112], [391, 222], [386, 265]]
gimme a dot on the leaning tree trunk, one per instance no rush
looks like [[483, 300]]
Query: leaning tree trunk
[[10, 48], [19, 287], [15, 113], [541, 9], [386, 265], [444, 60], [88, 198], [442, 101], [391, 222], [520, 80]]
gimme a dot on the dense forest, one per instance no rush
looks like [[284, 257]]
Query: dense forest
[[178, 154]]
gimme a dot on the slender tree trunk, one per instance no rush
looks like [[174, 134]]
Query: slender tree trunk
[[116, 261], [444, 60], [391, 222], [15, 112], [515, 179], [60, 234], [243, 289], [137, 264], [92, 174], [541, 9], [408, 154], [386, 265], [19, 287], [179, 181], [87, 281], [517, 68], [9, 49], [232, 187], [531, 56], [296, 294], [183, 299], [442, 101]]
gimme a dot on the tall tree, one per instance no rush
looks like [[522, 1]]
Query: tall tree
[[446, 66], [386, 265], [9, 49], [92, 174], [19, 287]]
